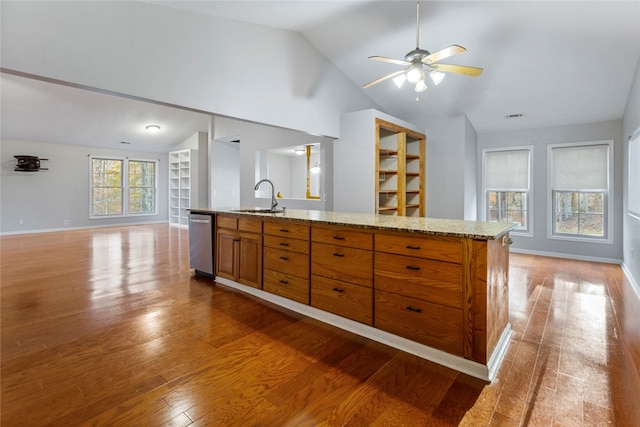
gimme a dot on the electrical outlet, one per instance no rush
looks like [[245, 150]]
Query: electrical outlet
[[632, 253], [21, 222], [66, 222]]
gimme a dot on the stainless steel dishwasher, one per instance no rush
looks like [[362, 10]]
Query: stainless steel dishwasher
[[201, 253]]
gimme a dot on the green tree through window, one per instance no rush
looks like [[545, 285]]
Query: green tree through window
[[142, 187], [106, 187]]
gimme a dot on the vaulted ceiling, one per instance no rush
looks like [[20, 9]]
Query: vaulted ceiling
[[554, 62]]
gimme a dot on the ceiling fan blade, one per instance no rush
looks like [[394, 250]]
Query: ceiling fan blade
[[442, 54], [391, 60], [459, 69], [383, 78]]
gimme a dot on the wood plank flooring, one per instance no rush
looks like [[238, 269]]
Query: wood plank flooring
[[110, 327]]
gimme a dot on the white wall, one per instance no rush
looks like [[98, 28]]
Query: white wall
[[44, 200], [225, 175], [539, 139], [471, 176], [211, 64], [446, 159], [631, 225]]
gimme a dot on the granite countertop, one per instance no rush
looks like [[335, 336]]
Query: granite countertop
[[433, 226]]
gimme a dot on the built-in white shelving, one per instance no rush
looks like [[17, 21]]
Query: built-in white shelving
[[183, 185]]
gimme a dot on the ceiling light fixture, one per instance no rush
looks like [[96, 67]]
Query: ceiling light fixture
[[299, 151], [152, 128]]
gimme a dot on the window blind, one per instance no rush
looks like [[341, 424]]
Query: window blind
[[507, 170], [583, 167]]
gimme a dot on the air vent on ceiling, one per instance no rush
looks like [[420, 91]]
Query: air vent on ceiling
[[237, 141], [513, 116]]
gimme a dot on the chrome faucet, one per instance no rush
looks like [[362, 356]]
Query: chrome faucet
[[274, 202]]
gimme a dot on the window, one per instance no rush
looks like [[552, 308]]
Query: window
[[109, 188], [106, 183], [580, 177], [506, 182], [142, 187]]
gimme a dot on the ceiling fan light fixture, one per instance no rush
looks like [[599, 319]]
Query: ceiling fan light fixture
[[399, 80], [152, 128], [436, 77], [420, 86], [414, 73]]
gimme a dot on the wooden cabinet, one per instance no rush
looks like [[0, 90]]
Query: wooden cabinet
[[342, 272], [419, 289], [448, 293], [286, 260], [400, 154], [239, 249]]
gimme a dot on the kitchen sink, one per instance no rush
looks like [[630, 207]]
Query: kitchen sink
[[260, 210]]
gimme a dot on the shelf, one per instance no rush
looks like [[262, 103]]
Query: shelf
[[388, 153], [400, 169]]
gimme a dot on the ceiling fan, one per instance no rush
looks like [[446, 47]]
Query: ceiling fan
[[420, 63]]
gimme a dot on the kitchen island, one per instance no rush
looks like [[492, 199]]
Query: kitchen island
[[436, 288]]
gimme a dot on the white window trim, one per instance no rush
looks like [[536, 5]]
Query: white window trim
[[529, 191], [609, 215], [125, 187]]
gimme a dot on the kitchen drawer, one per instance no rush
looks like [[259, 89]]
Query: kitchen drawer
[[447, 249], [286, 286], [340, 263], [285, 243], [286, 262], [253, 225], [344, 299], [430, 324], [287, 229], [342, 237], [226, 221], [433, 281]]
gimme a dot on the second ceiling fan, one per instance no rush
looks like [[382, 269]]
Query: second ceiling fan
[[420, 64]]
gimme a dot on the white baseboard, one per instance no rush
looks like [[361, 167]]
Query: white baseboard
[[567, 256], [457, 363], [634, 285], [85, 227]]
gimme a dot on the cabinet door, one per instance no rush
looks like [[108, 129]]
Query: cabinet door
[[250, 260], [226, 253]]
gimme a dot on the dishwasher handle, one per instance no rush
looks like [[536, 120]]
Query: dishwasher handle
[[200, 221]]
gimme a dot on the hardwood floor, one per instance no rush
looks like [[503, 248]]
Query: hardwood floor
[[110, 327]]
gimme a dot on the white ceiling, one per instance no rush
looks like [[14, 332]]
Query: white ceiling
[[556, 62]]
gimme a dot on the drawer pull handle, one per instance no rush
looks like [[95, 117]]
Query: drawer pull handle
[[338, 290], [284, 282], [338, 238], [411, 267], [415, 310], [236, 240], [284, 230], [413, 247], [284, 258], [283, 244], [339, 255]]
